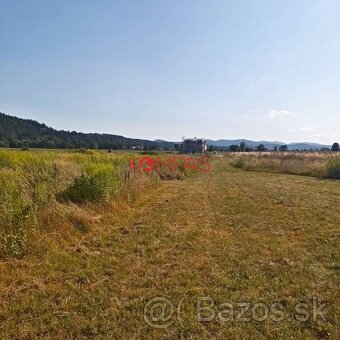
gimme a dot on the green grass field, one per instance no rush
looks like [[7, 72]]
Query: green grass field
[[74, 266]]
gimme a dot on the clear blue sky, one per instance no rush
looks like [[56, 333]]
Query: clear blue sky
[[261, 69]]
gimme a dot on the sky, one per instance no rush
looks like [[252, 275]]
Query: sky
[[255, 69]]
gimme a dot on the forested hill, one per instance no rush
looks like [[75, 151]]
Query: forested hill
[[16, 133]]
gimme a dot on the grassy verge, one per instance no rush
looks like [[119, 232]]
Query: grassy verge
[[323, 165], [43, 193]]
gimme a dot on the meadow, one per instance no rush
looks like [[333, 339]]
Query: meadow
[[86, 244], [316, 164]]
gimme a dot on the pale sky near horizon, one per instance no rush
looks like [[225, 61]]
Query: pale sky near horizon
[[261, 70]]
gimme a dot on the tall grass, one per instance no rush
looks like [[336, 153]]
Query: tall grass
[[333, 168], [16, 217], [323, 165], [38, 191], [48, 191]]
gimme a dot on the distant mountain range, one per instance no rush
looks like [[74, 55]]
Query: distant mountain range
[[268, 144], [17, 132], [225, 143]]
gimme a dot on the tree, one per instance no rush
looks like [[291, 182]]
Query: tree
[[212, 148], [261, 147], [283, 148], [336, 147], [243, 146], [234, 148]]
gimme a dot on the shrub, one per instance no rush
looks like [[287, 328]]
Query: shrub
[[333, 168], [98, 185]]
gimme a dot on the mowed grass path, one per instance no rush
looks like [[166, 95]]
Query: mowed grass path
[[230, 235]]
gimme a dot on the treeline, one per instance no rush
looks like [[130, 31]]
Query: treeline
[[243, 147], [26, 133], [20, 133]]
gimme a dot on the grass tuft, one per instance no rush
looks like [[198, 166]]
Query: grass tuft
[[333, 168]]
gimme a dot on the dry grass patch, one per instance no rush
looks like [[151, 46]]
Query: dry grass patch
[[232, 235]]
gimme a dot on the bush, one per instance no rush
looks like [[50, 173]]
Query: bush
[[333, 168], [85, 188], [98, 185]]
